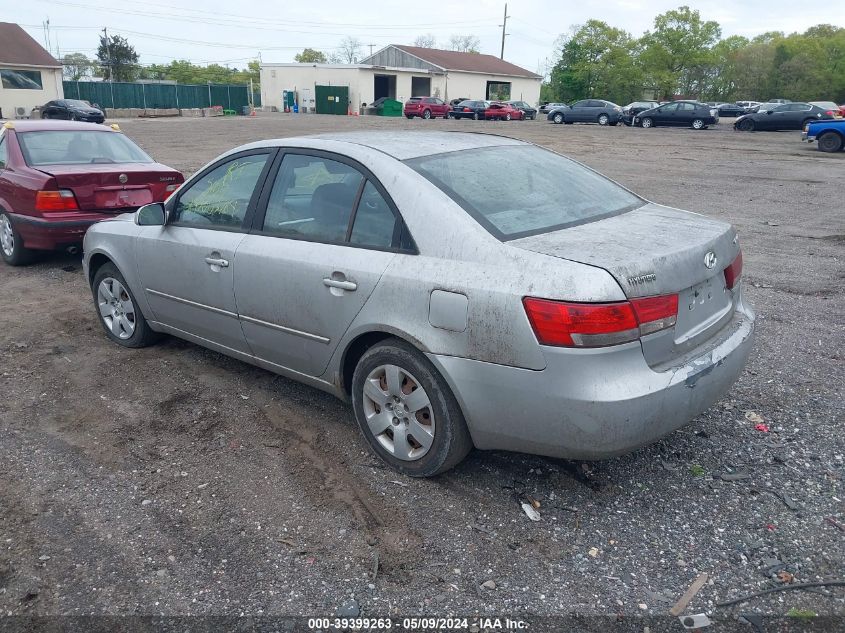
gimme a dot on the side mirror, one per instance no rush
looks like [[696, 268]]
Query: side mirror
[[151, 215]]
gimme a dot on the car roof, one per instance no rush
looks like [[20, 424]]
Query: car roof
[[402, 145], [35, 125]]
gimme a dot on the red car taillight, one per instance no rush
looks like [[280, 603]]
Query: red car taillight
[[565, 324], [61, 200], [733, 272], [467, 110]]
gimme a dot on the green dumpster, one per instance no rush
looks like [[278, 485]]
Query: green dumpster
[[390, 107]]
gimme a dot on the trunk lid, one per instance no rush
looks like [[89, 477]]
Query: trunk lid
[[99, 186], [656, 250]]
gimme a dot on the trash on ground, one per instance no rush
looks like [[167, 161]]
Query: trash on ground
[[685, 599], [753, 416], [530, 512]]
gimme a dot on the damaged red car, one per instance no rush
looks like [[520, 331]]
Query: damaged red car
[[57, 178]]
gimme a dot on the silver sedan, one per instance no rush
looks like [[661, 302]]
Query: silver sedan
[[461, 290]]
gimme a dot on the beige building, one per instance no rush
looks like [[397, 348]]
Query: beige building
[[400, 72], [29, 75]]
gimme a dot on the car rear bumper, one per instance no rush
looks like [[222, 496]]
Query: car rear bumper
[[594, 403], [57, 231]]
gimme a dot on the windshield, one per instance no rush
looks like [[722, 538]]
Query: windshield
[[524, 190], [76, 103], [64, 147]]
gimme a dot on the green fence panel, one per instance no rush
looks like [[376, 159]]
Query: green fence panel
[[154, 95]]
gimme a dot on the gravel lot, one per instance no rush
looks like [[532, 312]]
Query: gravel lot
[[173, 480]]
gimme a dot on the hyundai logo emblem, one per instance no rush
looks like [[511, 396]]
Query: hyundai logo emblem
[[123, 178], [710, 259]]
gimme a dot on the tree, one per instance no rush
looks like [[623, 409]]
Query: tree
[[597, 60], [310, 56], [75, 66], [464, 43], [677, 53], [426, 41], [118, 59], [349, 50]]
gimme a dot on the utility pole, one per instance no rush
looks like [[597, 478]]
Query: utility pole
[[109, 65], [504, 25], [371, 49]]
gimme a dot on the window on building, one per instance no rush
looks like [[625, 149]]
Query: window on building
[[21, 79], [498, 91]]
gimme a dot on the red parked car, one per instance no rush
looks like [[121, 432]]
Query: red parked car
[[426, 107], [57, 178], [503, 112]]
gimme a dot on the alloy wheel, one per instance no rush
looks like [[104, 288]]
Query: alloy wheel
[[697, 124], [399, 413], [7, 236], [646, 122], [604, 119], [558, 118], [116, 308]]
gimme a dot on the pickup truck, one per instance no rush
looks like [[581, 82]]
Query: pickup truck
[[829, 134]]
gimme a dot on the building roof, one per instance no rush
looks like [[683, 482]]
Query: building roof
[[18, 48], [466, 62]]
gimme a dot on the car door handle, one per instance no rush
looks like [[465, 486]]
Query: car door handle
[[340, 283], [216, 261]]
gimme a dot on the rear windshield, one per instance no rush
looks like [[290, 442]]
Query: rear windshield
[[524, 190], [64, 147]]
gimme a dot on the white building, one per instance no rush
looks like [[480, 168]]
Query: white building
[[399, 72], [29, 75]]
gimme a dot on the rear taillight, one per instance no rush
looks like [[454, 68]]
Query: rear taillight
[[565, 324], [61, 200], [733, 272], [467, 110]]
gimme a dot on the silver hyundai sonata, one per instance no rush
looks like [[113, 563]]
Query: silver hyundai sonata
[[462, 290]]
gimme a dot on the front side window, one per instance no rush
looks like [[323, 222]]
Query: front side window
[[312, 198], [21, 79], [220, 198], [669, 108], [539, 192], [63, 147], [4, 154]]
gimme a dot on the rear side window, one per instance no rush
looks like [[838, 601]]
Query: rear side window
[[312, 198], [4, 154], [375, 225], [539, 192]]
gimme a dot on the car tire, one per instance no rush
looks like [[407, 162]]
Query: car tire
[[830, 142], [409, 116], [603, 119], [12, 249], [558, 118], [384, 416], [806, 122], [698, 124], [746, 125], [426, 114], [647, 122], [118, 311]]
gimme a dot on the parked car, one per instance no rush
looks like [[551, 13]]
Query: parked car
[[498, 111], [587, 111], [679, 113], [632, 109], [455, 102], [731, 110], [469, 109], [763, 107], [425, 108], [72, 110], [548, 107], [559, 300], [829, 106], [829, 135], [527, 111], [58, 178], [786, 116], [748, 104]]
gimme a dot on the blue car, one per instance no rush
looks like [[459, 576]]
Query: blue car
[[829, 135]]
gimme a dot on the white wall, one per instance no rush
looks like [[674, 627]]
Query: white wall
[[51, 82], [359, 79]]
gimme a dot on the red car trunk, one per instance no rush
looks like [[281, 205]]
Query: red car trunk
[[106, 187]]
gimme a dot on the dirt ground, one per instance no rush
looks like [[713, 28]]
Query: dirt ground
[[173, 480]]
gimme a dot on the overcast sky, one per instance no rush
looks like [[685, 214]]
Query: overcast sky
[[232, 33]]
